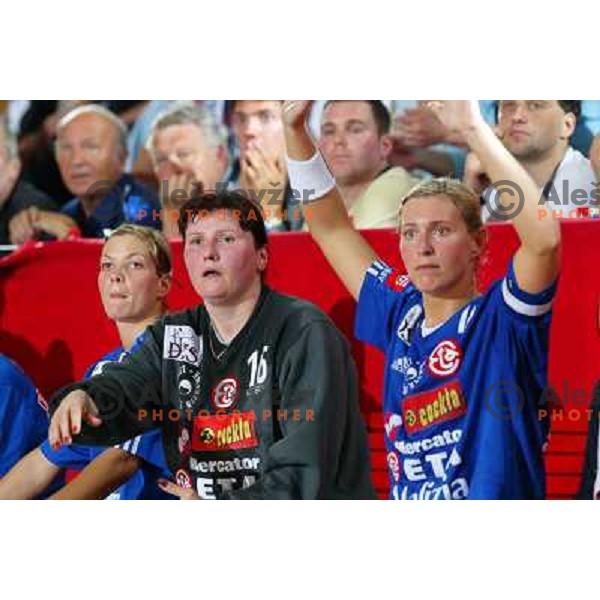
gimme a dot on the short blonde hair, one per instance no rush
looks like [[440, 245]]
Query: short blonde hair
[[461, 195], [155, 242]]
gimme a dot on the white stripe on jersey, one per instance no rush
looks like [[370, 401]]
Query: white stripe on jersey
[[529, 310], [465, 318], [124, 446], [136, 445]]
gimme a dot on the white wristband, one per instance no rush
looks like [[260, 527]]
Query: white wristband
[[309, 179]]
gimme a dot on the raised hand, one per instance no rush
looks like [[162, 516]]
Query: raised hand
[[458, 116], [295, 112], [419, 127]]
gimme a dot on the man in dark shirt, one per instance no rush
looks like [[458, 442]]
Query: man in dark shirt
[[15, 194]]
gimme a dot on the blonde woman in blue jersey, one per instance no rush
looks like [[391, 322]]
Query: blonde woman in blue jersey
[[134, 279], [464, 370]]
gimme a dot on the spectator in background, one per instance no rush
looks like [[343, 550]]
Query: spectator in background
[[34, 123], [188, 150], [537, 133], [15, 194], [139, 161], [258, 129], [421, 143], [91, 152], [356, 145]]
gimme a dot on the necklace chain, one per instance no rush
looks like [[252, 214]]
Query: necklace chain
[[212, 332]]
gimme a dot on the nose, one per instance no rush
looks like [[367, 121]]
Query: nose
[[520, 114], [210, 250], [339, 138], [116, 275], [424, 245], [172, 166], [252, 125], [77, 156]]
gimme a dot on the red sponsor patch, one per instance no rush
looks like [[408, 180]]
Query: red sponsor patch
[[224, 432], [445, 359], [427, 409], [224, 395], [397, 281]]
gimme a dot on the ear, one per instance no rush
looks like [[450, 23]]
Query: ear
[[263, 258], [479, 243], [569, 124], [386, 145], [164, 285]]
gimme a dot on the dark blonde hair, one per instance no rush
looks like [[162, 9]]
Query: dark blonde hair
[[155, 242], [461, 195]]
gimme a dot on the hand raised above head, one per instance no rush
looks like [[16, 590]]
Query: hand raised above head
[[295, 112], [458, 116]]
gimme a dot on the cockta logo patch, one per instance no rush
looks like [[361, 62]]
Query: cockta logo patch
[[223, 432], [427, 409]]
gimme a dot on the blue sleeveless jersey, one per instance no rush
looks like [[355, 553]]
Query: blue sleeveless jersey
[[460, 402], [148, 447]]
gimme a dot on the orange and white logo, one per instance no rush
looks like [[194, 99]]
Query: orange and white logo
[[445, 359]]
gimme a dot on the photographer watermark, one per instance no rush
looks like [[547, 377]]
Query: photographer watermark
[[504, 200], [506, 400]]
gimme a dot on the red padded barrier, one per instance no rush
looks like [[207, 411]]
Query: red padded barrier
[[52, 322]]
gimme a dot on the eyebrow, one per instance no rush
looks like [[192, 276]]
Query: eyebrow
[[331, 123], [130, 255], [441, 221], [198, 233]]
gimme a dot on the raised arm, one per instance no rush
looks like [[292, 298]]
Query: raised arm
[[345, 249], [536, 262]]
